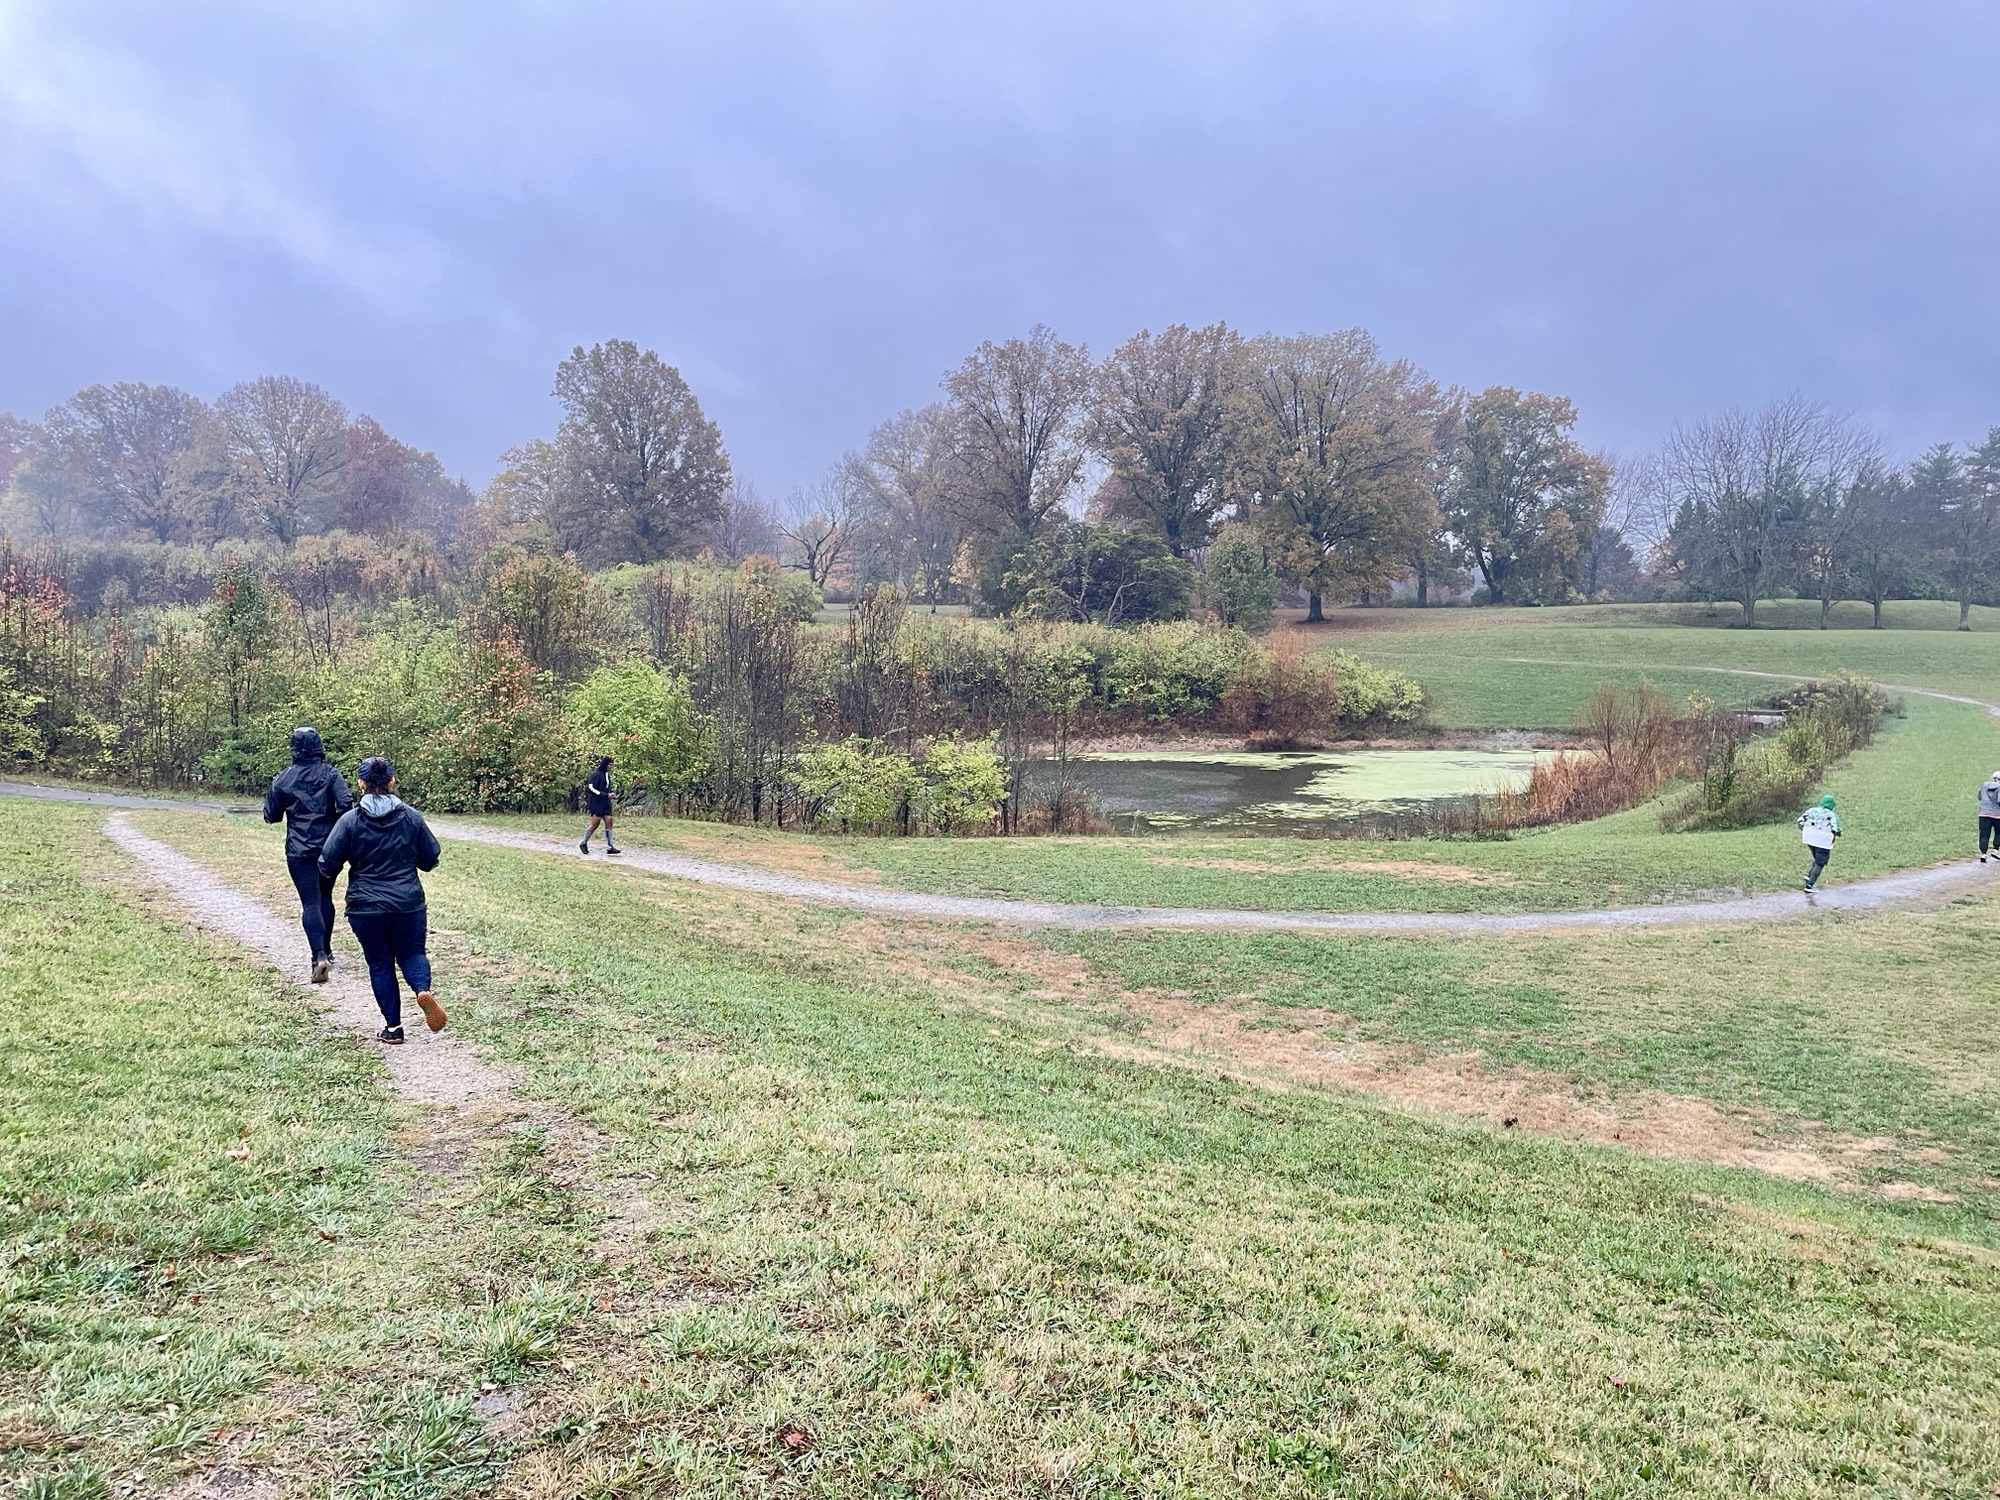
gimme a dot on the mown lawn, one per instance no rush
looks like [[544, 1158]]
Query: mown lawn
[[1906, 801], [1530, 668], [917, 1231], [214, 1252]]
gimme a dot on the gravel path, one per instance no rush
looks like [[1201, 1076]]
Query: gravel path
[[1904, 889], [1907, 888]]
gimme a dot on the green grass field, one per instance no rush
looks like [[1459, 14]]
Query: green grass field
[[928, 1224], [797, 1201]]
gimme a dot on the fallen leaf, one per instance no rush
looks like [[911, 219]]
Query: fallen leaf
[[326, 1234]]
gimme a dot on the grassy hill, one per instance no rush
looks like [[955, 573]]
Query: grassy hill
[[794, 1201]]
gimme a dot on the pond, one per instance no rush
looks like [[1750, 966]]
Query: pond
[[1283, 791]]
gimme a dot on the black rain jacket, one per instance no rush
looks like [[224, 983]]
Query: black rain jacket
[[309, 795], [383, 853]]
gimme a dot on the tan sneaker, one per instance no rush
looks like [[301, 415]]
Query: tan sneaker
[[434, 1016], [322, 968]]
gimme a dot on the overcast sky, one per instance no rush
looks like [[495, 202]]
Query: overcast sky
[[1658, 207]]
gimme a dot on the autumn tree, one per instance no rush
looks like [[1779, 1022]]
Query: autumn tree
[[1015, 408], [1335, 449], [1524, 498], [19, 441], [386, 485], [113, 449], [287, 441], [1162, 416], [640, 470]]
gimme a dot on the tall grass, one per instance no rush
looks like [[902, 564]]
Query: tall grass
[[1747, 768]]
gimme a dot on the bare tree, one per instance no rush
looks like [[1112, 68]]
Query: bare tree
[[747, 526], [114, 448], [1336, 450], [288, 440], [820, 522], [1739, 485], [911, 526], [1831, 509], [1162, 418], [1016, 406]]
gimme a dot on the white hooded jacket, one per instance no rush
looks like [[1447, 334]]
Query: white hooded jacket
[[1818, 827]]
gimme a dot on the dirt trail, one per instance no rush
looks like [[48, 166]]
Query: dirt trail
[[431, 1068]]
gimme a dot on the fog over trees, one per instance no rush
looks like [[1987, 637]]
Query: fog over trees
[[1045, 483]]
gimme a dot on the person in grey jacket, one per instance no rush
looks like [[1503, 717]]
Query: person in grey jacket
[[384, 843], [309, 796], [1989, 816]]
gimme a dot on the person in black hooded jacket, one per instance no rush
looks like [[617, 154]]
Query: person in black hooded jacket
[[384, 843], [309, 796]]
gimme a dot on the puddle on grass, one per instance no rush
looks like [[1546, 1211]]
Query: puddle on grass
[[1282, 791]]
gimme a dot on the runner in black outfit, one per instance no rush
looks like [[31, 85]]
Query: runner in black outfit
[[384, 843], [597, 802], [309, 795]]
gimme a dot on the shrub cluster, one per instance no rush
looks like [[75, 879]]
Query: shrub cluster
[[711, 688], [1745, 779]]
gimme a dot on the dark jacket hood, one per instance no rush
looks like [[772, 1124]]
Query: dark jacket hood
[[306, 746]]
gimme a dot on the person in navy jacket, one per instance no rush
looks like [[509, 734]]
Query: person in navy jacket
[[309, 796], [384, 843]]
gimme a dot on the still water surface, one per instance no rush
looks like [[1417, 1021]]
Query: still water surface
[[1284, 791]]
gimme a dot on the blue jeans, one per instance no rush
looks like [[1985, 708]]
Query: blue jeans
[[315, 903], [1819, 858], [387, 940]]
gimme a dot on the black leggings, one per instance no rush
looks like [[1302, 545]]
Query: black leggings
[[1818, 869], [1989, 828], [315, 903]]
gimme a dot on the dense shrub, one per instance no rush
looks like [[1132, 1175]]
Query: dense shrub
[[646, 720], [859, 786], [1745, 781]]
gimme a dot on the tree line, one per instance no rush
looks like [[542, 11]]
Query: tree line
[[1190, 469], [1794, 498]]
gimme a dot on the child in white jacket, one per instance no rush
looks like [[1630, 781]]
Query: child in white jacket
[[1818, 828]]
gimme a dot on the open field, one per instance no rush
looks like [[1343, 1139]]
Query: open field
[[1487, 668], [787, 1200], [885, 1169]]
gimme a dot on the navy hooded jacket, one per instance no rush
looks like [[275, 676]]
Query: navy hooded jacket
[[383, 852], [309, 794]]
